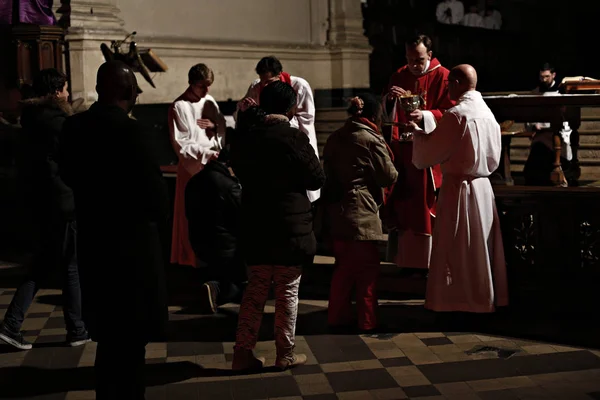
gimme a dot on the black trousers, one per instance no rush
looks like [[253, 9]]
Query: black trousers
[[119, 369], [55, 253]]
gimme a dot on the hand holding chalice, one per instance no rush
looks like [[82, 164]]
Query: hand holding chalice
[[409, 103]]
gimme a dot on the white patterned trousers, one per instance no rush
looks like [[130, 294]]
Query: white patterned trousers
[[287, 282]]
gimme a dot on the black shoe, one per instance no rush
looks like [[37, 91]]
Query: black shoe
[[80, 340], [14, 339], [208, 297]]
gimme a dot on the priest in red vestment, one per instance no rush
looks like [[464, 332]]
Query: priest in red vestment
[[412, 208]]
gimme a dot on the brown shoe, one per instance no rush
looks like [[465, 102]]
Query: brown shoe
[[291, 361], [245, 360]]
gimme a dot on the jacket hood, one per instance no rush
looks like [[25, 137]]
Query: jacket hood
[[49, 102]]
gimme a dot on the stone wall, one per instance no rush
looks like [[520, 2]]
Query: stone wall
[[319, 40]]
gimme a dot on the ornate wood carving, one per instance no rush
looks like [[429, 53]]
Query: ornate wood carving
[[37, 47], [551, 243]]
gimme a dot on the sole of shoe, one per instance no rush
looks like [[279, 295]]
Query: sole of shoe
[[78, 343], [209, 294], [289, 365], [8, 340]]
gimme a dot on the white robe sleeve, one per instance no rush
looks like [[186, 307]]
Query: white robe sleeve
[[436, 147], [305, 114], [429, 122], [192, 141]]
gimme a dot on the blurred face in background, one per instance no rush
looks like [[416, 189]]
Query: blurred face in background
[[546, 78]]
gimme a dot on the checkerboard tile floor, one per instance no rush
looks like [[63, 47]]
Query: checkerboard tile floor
[[427, 365]]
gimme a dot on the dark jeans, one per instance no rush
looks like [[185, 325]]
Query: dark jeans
[[119, 369], [56, 250], [228, 277]]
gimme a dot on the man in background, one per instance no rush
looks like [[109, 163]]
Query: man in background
[[122, 219]]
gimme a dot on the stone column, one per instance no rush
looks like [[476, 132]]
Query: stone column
[[90, 23], [349, 46]]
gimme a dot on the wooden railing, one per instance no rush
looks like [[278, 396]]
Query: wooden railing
[[552, 244]]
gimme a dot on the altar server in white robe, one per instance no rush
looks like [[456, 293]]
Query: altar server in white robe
[[197, 131], [269, 69], [468, 269]]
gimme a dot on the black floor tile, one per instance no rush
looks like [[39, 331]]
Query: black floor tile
[[421, 391], [55, 323], [339, 348], [183, 391], [395, 362], [51, 339], [515, 366], [498, 395], [361, 380], [184, 349], [39, 315], [307, 369], [215, 390], [437, 341], [249, 389], [281, 386]]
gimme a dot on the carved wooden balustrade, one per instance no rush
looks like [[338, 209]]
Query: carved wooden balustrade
[[552, 245]]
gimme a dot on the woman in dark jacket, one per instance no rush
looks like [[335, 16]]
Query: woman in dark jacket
[[51, 206], [358, 167], [276, 165]]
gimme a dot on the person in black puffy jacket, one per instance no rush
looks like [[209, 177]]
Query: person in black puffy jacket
[[276, 166], [212, 205]]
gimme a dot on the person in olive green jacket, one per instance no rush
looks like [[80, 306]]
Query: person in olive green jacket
[[359, 167]]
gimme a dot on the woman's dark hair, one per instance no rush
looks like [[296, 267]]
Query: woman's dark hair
[[370, 107], [269, 64], [49, 81], [277, 98]]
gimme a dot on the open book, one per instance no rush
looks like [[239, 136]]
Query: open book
[[570, 79]]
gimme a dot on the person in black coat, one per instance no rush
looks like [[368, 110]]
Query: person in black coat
[[50, 205], [122, 214], [212, 205], [276, 165]]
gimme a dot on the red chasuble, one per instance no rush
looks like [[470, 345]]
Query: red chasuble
[[413, 200]]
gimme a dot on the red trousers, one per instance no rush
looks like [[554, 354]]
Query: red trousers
[[356, 266]]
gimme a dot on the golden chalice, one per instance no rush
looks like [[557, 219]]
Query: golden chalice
[[409, 102]]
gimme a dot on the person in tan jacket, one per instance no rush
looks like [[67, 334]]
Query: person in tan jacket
[[359, 167]]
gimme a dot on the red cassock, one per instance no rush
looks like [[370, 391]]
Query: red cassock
[[413, 200]]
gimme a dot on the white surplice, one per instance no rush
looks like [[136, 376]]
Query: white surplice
[[304, 119], [194, 147], [467, 270]]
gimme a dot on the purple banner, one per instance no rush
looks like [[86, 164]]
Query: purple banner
[[37, 12]]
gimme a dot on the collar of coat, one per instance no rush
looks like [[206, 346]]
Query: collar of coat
[[50, 102], [272, 119]]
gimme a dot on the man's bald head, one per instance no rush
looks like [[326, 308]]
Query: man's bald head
[[465, 74], [116, 83], [461, 79]]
